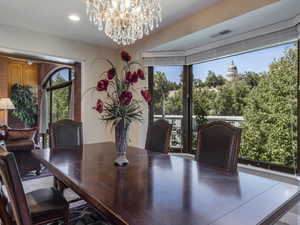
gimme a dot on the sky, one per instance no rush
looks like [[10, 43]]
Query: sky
[[256, 61]]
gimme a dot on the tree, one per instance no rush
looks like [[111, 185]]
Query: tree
[[23, 99], [198, 83], [270, 126], [60, 100], [251, 78], [161, 91], [212, 80], [174, 103], [231, 98]]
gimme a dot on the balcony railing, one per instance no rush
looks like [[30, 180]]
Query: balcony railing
[[176, 121]]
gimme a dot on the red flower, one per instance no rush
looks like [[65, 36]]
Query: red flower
[[99, 106], [131, 77], [141, 74], [102, 85], [125, 56], [111, 73], [147, 95], [125, 97]]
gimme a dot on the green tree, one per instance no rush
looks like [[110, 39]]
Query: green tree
[[251, 78], [231, 97], [212, 80], [174, 103], [162, 87], [198, 83], [23, 99], [60, 100], [270, 126]]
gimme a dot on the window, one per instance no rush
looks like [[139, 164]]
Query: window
[[59, 93], [256, 91], [167, 100]]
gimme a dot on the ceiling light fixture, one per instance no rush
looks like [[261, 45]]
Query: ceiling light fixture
[[125, 21], [74, 17]]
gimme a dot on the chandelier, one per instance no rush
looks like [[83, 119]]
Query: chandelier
[[125, 21]]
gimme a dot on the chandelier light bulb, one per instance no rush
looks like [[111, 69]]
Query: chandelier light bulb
[[125, 21]]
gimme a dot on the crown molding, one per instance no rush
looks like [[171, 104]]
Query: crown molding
[[229, 40], [164, 54]]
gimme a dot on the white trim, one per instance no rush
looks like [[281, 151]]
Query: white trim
[[163, 54], [243, 36], [230, 40]]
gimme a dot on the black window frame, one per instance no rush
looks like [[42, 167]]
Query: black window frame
[[187, 117]]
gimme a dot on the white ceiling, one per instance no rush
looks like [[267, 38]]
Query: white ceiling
[[271, 14], [50, 16]]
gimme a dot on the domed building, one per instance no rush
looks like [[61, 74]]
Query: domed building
[[232, 72]]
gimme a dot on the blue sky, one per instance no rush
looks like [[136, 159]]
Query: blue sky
[[256, 61]]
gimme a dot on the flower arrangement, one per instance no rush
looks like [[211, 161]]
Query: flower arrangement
[[120, 107], [120, 104]]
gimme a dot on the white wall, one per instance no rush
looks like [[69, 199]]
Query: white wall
[[91, 57]]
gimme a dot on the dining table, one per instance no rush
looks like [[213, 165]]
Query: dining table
[[161, 189]]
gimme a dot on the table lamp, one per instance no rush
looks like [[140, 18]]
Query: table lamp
[[6, 104]]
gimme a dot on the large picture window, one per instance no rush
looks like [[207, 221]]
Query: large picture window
[[256, 91]]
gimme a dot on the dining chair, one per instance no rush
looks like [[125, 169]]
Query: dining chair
[[158, 136], [42, 206], [218, 145], [65, 134]]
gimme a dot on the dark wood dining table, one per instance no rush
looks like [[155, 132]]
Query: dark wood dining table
[[159, 189]]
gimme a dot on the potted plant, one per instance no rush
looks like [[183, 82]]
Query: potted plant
[[121, 107], [24, 101]]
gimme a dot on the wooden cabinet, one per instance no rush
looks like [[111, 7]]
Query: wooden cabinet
[[24, 74]]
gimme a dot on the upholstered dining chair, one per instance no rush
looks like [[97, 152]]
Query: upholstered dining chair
[[158, 136], [42, 206], [65, 134], [219, 145]]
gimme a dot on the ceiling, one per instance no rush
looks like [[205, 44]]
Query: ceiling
[[50, 16], [265, 16]]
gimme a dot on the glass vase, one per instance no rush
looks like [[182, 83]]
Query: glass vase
[[121, 136]]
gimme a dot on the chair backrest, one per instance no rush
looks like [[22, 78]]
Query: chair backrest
[[65, 134], [158, 136], [218, 145], [11, 179]]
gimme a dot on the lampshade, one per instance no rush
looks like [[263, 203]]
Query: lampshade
[[6, 103]]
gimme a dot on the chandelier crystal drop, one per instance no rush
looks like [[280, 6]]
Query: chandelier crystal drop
[[125, 21]]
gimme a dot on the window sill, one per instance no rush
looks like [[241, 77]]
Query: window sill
[[279, 176]]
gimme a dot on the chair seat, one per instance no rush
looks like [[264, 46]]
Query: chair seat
[[46, 203]]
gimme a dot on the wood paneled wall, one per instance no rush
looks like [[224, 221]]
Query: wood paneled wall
[[24, 74], [3, 86], [16, 72]]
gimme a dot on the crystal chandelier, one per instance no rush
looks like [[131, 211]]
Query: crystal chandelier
[[125, 21]]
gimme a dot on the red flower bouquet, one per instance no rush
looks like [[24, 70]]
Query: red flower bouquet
[[120, 107]]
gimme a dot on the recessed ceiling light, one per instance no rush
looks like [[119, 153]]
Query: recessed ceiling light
[[74, 17]]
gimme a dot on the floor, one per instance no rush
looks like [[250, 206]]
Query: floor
[[291, 218]]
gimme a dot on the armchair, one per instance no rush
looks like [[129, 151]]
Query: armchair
[[21, 142]]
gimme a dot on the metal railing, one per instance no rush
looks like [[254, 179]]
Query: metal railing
[[176, 121]]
